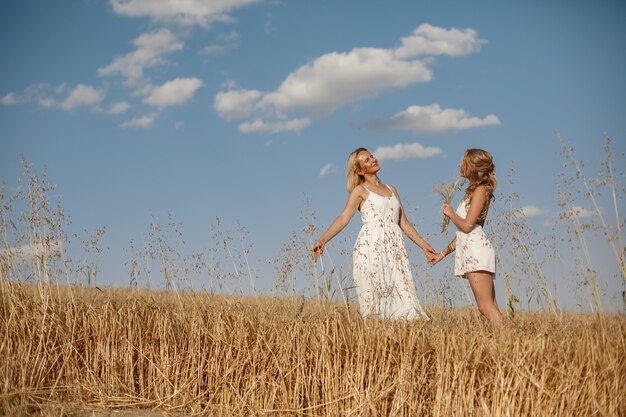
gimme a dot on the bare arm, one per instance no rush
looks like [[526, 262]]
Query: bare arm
[[409, 230], [435, 258], [479, 199], [354, 200]]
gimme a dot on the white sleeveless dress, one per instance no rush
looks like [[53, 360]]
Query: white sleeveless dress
[[473, 250], [381, 268]]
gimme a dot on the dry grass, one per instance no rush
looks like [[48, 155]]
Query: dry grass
[[446, 191], [69, 350], [66, 350]]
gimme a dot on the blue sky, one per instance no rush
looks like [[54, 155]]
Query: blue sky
[[244, 109]]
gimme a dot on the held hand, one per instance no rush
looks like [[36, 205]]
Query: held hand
[[436, 258], [317, 250], [429, 253], [431, 258], [447, 210]]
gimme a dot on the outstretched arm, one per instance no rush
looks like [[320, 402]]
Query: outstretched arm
[[354, 200], [410, 231]]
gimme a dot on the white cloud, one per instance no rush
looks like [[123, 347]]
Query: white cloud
[[231, 36], [323, 86], [82, 95], [212, 50], [143, 121], [230, 39], [406, 151], [174, 93], [31, 93], [49, 96], [119, 107], [46, 101], [150, 51], [530, 211], [336, 79], [327, 169], [433, 120], [185, 12], [577, 212], [526, 211], [64, 97], [26, 253], [10, 99], [431, 40], [236, 104], [259, 126]]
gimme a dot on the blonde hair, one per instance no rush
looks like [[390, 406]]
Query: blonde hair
[[352, 178], [482, 172]]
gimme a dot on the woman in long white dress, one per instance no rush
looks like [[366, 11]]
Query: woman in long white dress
[[381, 268], [475, 258]]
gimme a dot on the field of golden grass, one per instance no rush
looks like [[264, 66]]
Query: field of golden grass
[[66, 350]]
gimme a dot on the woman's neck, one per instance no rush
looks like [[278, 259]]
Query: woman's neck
[[372, 180]]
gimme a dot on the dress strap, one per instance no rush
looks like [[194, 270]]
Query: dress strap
[[366, 188]]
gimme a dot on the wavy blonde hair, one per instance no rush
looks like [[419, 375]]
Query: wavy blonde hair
[[352, 178], [483, 172]]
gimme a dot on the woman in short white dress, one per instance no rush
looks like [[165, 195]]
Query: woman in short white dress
[[475, 257], [381, 268]]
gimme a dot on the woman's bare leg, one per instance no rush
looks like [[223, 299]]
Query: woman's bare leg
[[485, 295]]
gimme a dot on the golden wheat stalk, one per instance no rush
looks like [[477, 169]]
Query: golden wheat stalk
[[446, 191]]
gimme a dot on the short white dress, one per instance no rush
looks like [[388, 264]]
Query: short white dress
[[381, 268], [473, 250]]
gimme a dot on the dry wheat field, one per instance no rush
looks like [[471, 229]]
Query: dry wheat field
[[67, 350]]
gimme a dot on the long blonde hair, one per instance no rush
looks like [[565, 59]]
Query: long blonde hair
[[352, 178], [483, 171]]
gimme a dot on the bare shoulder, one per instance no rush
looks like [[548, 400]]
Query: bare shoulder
[[360, 192], [482, 191], [395, 191]]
